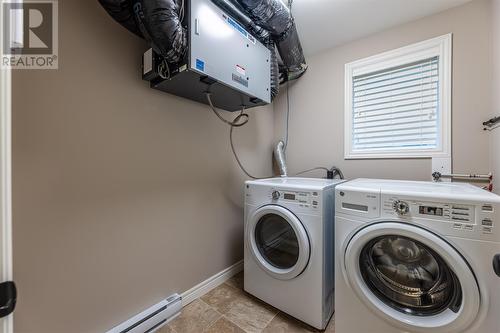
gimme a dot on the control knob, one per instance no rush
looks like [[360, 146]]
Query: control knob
[[276, 195], [401, 207]]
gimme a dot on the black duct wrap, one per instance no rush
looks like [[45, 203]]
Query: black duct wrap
[[162, 19], [275, 17], [121, 11], [158, 21]]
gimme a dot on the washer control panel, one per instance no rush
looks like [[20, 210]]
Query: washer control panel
[[462, 217], [456, 210], [439, 211]]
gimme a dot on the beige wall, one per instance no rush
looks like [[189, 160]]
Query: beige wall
[[317, 100], [122, 194], [495, 135]]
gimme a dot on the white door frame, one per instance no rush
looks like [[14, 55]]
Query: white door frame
[[6, 323]]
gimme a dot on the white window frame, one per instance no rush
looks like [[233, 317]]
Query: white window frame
[[439, 46]]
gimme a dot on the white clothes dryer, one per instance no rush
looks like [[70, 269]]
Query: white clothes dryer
[[289, 233]]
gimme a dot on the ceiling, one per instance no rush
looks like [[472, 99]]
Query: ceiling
[[342, 21]]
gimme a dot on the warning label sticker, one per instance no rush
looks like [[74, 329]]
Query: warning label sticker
[[241, 70]]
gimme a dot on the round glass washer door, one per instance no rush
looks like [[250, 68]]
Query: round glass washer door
[[278, 242], [411, 278]]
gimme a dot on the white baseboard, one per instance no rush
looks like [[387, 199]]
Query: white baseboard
[[211, 283], [152, 318]]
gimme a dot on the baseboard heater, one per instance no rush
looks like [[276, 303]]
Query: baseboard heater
[[152, 319]]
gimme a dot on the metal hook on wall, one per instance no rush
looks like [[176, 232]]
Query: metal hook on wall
[[491, 124]]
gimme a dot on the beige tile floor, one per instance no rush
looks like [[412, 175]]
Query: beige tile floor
[[228, 309]]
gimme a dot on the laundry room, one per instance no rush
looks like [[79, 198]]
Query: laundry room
[[201, 166]]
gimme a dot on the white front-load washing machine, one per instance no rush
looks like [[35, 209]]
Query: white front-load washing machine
[[289, 232], [416, 257]]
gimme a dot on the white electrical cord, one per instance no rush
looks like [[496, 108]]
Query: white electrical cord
[[287, 114], [334, 170], [164, 69], [287, 127], [236, 122], [313, 169]]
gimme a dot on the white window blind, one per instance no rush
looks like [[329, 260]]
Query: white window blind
[[397, 108]]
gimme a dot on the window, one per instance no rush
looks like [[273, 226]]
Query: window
[[398, 104]]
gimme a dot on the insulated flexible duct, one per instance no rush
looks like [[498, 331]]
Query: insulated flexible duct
[[121, 11], [163, 22], [275, 17], [158, 21]]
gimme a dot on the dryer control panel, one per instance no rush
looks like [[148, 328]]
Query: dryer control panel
[[303, 199]]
